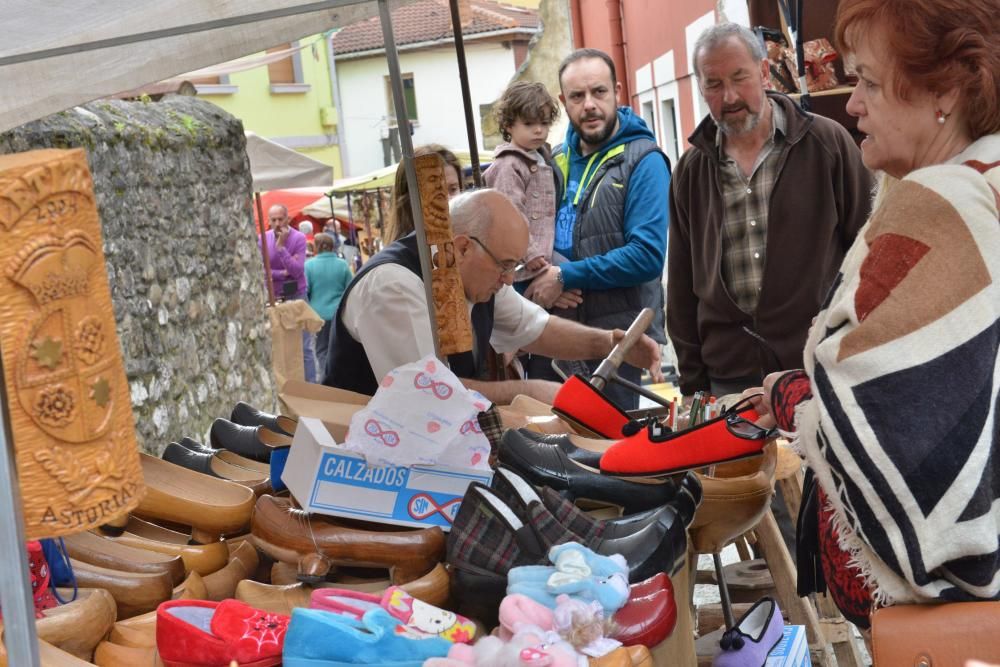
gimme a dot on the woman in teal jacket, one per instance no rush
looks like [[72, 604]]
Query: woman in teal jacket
[[327, 276]]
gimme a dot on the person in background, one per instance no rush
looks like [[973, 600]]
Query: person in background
[[327, 276], [286, 249], [762, 209], [522, 169], [400, 222], [896, 410], [611, 222], [306, 228]]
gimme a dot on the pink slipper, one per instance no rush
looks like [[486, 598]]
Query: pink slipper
[[517, 609], [411, 612]]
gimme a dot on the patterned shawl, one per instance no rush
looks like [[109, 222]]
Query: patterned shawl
[[902, 430]]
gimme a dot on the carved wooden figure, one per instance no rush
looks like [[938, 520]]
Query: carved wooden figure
[[453, 324], [65, 386]]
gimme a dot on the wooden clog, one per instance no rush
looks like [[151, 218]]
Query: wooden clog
[[96, 550], [114, 655], [222, 584], [212, 507], [192, 588], [200, 558], [134, 592], [432, 588], [76, 627], [138, 631], [235, 459]]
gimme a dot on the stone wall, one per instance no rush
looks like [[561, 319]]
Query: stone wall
[[172, 184]]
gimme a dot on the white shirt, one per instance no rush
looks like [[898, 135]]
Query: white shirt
[[387, 312]]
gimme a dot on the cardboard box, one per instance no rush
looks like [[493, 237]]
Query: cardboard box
[[327, 479], [792, 650], [334, 406]]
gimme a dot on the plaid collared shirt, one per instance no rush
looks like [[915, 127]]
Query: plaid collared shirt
[[744, 231]]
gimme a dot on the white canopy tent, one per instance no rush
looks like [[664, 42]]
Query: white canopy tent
[[274, 167], [60, 53]]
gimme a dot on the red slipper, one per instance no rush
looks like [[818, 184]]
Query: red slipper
[[199, 633], [582, 404], [656, 451], [649, 615]]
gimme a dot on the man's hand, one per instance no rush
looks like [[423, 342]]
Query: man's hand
[[644, 354], [536, 264], [545, 288], [281, 236], [569, 299], [542, 390]]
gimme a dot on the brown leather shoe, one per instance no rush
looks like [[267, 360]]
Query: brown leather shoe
[[113, 655], [289, 534], [431, 588], [76, 627], [97, 550], [222, 584], [212, 507], [134, 592], [201, 558]]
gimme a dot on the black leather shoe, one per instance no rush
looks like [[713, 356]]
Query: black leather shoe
[[195, 446], [253, 442], [544, 464], [247, 415], [197, 460], [686, 482], [652, 541]]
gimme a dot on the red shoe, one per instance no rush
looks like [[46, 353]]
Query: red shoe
[[199, 633], [656, 451], [649, 619], [40, 576], [584, 405]]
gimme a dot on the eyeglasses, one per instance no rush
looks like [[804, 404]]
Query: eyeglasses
[[507, 267], [744, 428]]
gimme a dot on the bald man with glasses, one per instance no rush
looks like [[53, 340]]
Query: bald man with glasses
[[382, 321]]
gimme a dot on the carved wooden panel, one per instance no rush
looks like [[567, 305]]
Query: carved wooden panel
[[453, 324], [64, 379]]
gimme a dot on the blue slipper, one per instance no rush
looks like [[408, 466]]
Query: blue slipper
[[322, 639]]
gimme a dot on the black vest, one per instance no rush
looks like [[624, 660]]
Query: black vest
[[599, 229], [347, 365]]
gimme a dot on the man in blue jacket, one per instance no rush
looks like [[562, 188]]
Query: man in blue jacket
[[611, 224]]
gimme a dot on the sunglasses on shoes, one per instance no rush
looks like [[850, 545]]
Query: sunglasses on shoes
[[744, 428]]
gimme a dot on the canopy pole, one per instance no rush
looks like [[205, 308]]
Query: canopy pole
[[406, 143], [263, 249], [15, 577], [463, 77]]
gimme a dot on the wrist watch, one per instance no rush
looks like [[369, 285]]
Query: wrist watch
[[559, 276]]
